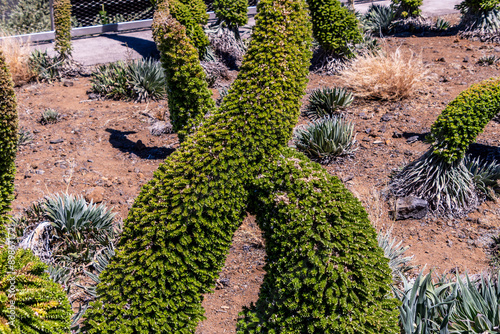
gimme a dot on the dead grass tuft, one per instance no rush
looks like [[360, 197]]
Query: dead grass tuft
[[386, 76], [17, 55]]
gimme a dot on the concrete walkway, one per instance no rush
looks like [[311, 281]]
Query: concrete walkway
[[111, 47]]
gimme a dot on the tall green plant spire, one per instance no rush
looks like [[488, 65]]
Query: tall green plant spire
[[232, 12], [62, 23], [179, 230], [189, 98], [8, 143]]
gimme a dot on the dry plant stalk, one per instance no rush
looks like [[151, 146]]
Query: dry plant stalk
[[17, 55], [392, 76]]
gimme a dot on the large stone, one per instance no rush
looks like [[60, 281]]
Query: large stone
[[410, 207], [95, 195]]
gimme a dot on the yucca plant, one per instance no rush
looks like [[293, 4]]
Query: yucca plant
[[49, 116], [398, 262], [378, 20], [442, 24], [478, 307], [484, 173], [426, 307], [327, 101], [45, 67], [326, 138]]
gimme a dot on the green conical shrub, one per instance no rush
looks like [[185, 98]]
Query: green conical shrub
[[180, 227], [189, 98], [335, 27], [232, 12], [8, 143], [30, 302], [62, 23]]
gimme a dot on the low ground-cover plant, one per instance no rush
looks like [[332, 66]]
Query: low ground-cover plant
[[45, 67], [24, 137], [139, 80], [386, 76], [395, 252], [441, 24], [328, 101], [49, 116], [488, 60], [485, 174], [326, 138]]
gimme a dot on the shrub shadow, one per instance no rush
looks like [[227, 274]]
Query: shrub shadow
[[118, 139], [144, 47]]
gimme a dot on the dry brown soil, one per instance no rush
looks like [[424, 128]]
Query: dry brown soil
[[104, 151]]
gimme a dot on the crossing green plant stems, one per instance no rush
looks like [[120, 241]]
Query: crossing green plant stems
[[40, 305], [179, 230], [464, 119], [334, 27], [232, 12], [324, 270], [62, 24], [8, 143], [189, 98]]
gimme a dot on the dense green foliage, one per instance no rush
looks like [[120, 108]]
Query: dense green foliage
[[38, 304], [407, 8], [180, 227], [192, 15], [25, 17], [8, 142], [480, 17], [189, 98], [335, 27], [464, 119], [477, 6], [62, 23], [232, 12], [324, 270], [326, 138], [140, 80]]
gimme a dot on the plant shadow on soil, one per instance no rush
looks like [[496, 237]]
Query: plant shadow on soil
[[146, 48], [118, 139]]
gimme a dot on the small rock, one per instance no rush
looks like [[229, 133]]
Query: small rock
[[161, 127], [67, 83], [466, 59], [397, 134], [410, 207], [441, 60], [366, 139], [368, 130], [387, 117], [412, 139], [39, 171], [497, 49], [56, 141], [90, 160], [378, 142], [95, 195]]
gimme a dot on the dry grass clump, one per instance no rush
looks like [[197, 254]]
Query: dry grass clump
[[17, 54], [386, 76]]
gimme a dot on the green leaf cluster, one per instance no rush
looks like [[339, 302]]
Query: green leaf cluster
[[335, 27], [62, 23], [38, 304], [407, 8], [464, 119], [475, 7], [325, 272], [179, 230], [189, 98], [8, 142], [232, 12], [192, 14]]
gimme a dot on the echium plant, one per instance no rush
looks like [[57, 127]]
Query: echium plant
[[62, 23], [440, 176], [325, 271]]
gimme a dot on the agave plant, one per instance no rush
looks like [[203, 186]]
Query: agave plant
[[327, 101], [398, 262], [45, 67], [442, 24], [426, 307], [378, 19], [326, 138], [485, 174], [478, 307]]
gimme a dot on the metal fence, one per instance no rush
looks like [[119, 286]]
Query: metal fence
[[86, 12]]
